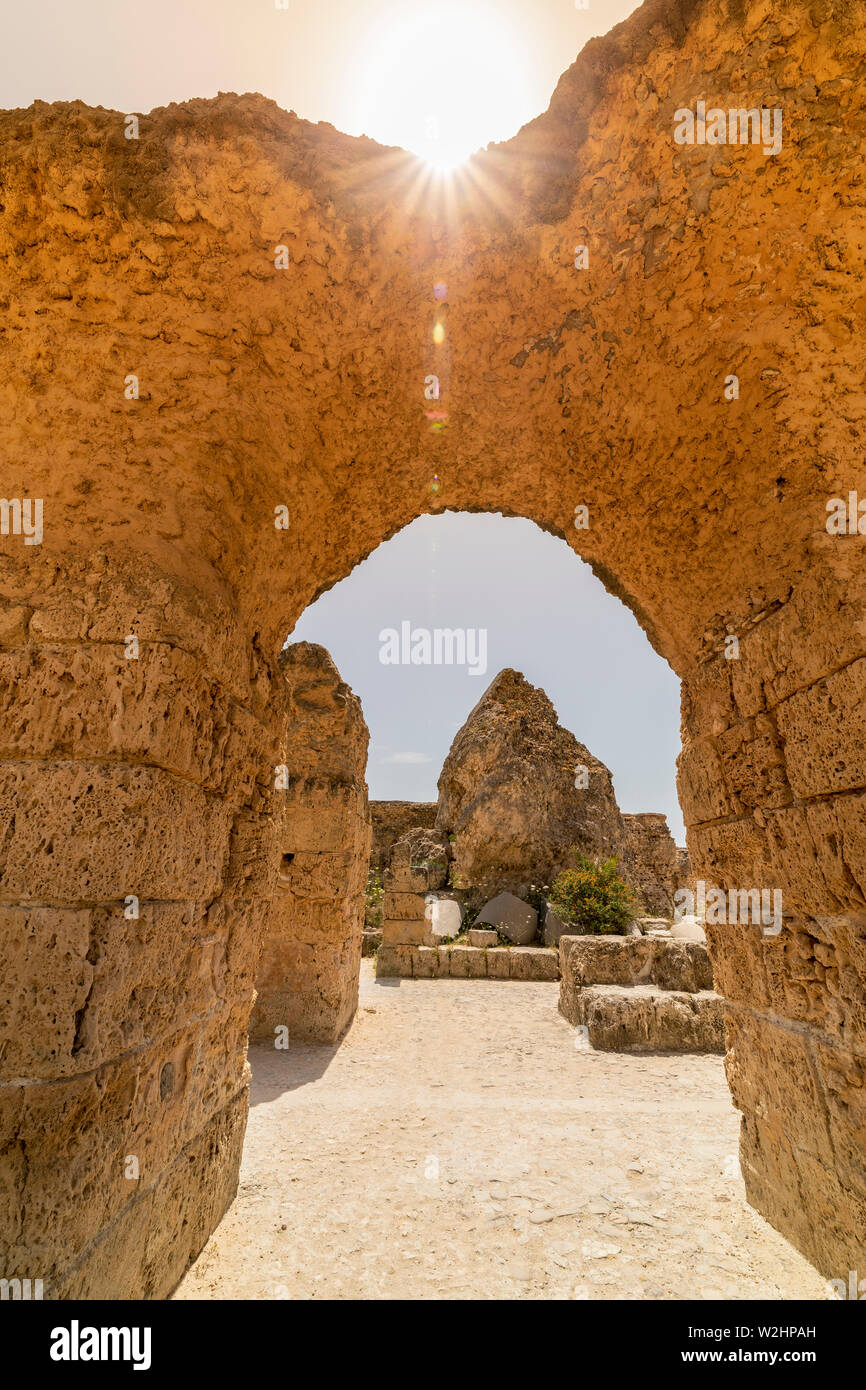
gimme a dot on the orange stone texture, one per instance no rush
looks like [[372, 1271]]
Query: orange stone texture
[[309, 968], [220, 430]]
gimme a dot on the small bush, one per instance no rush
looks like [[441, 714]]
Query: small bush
[[593, 897]]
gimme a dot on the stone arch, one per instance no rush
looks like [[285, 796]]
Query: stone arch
[[166, 388]]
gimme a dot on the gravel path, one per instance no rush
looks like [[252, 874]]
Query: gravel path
[[457, 1144]]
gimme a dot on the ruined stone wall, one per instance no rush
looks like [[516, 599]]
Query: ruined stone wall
[[311, 954], [652, 861], [135, 872], [391, 820], [217, 440]]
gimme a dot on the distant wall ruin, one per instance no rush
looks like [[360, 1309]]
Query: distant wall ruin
[[652, 862], [308, 970], [391, 820]]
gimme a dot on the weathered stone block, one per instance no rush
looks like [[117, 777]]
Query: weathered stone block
[[404, 933], [394, 961], [643, 1018], [512, 917], [310, 961], [824, 733], [391, 820], [174, 716], [124, 981], [444, 957], [409, 906], [425, 963], [634, 960], [479, 937], [407, 878], [554, 927], [85, 832], [460, 958], [498, 963], [533, 963]]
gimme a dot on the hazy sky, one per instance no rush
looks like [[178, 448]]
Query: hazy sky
[[545, 613], [440, 79]]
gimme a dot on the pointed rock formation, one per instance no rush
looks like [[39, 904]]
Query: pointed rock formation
[[518, 792]]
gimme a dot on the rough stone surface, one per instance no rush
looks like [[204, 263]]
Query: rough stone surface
[[421, 847], [507, 794], [391, 820], [632, 960], [262, 388], [641, 993], [415, 907], [478, 936], [513, 918], [554, 926], [308, 970], [461, 962], [651, 861], [643, 1018]]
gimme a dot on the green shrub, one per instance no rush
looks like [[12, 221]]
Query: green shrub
[[593, 897]]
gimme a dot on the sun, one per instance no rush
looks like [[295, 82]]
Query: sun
[[442, 80]]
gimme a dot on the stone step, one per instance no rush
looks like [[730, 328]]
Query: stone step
[[644, 1018], [635, 960]]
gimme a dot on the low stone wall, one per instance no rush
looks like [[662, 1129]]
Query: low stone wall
[[460, 962], [310, 960], [641, 993], [390, 820]]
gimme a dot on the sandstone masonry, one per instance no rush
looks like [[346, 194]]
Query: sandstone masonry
[[308, 971]]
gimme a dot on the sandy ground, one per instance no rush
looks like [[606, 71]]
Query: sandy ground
[[457, 1144]]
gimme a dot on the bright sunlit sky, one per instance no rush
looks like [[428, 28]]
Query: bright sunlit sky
[[440, 79], [545, 613]]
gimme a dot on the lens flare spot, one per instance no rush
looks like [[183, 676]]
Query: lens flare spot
[[439, 333]]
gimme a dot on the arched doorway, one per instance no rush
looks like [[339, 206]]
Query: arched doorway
[[244, 417]]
